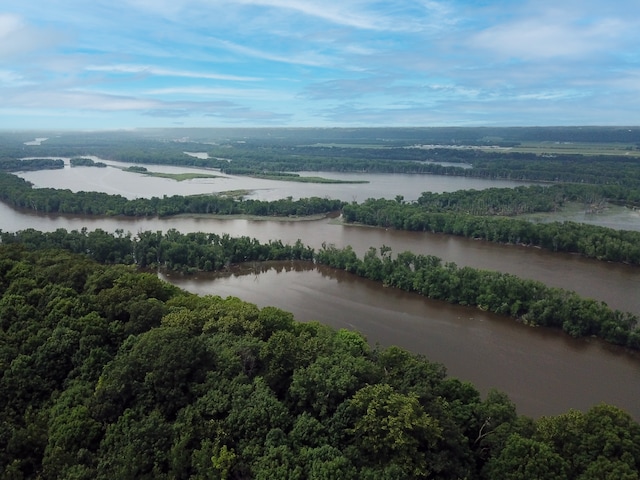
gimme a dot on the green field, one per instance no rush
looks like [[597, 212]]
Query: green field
[[297, 178], [576, 148], [174, 176]]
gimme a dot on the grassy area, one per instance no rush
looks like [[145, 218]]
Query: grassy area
[[181, 176], [174, 176], [234, 193], [576, 148], [297, 178]]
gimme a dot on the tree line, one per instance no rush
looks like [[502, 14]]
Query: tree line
[[187, 253], [30, 164], [361, 151], [468, 213], [112, 373], [257, 157], [523, 199], [443, 214], [86, 162], [527, 301], [20, 193]]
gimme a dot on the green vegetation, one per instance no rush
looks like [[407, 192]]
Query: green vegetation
[[136, 169], [86, 162], [32, 164], [19, 193], [598, 155], [293, 177], [482, 215], [526, 301], [109, 373], [173, 176]]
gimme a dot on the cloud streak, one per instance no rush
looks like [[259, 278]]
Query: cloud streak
[[167, 72]]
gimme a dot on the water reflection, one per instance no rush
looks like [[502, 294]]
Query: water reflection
[[544, 371], [114, 180]]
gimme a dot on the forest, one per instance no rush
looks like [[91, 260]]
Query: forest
[[490, 215], [17, 192], [456, 214], [109, 372], [526, 301]]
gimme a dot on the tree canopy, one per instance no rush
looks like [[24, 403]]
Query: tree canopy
[[112, 373]]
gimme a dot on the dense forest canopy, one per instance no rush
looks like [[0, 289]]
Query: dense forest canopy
[[526, 301], [107, 372], [110, 373]]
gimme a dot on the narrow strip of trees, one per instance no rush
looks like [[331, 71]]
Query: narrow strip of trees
[[17, 192], [449, 214], [527, 301]]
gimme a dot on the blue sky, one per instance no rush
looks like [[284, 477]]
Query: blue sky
[[104, 64]]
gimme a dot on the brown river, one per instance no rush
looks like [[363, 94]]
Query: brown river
[[544, 372]]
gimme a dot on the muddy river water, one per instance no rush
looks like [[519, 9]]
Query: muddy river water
[[544, 372]]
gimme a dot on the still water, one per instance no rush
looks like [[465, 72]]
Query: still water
[[616, 284], [543, 371], [114, 180]]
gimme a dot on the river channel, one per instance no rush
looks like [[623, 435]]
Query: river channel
[[543, 371]]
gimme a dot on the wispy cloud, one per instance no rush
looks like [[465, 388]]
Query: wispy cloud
[[17, 37], [549, 37], [166, 72], [310, 59], [335, 62]]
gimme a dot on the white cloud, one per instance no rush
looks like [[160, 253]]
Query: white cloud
[[340, 13], [308, 59], [239, 93], [18, 38], [9, 78], [76, 100], [166, 72], [552, 33]]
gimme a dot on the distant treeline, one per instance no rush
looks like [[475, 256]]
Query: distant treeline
[[360, 150], [449, 213], [86, 162], [18, 192], [572, 168], [473, 214], [31, 164], [526, 300]]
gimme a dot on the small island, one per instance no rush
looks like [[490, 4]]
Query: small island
[[86, 162], [179, 177]]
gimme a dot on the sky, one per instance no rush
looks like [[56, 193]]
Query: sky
[[112, 64]]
